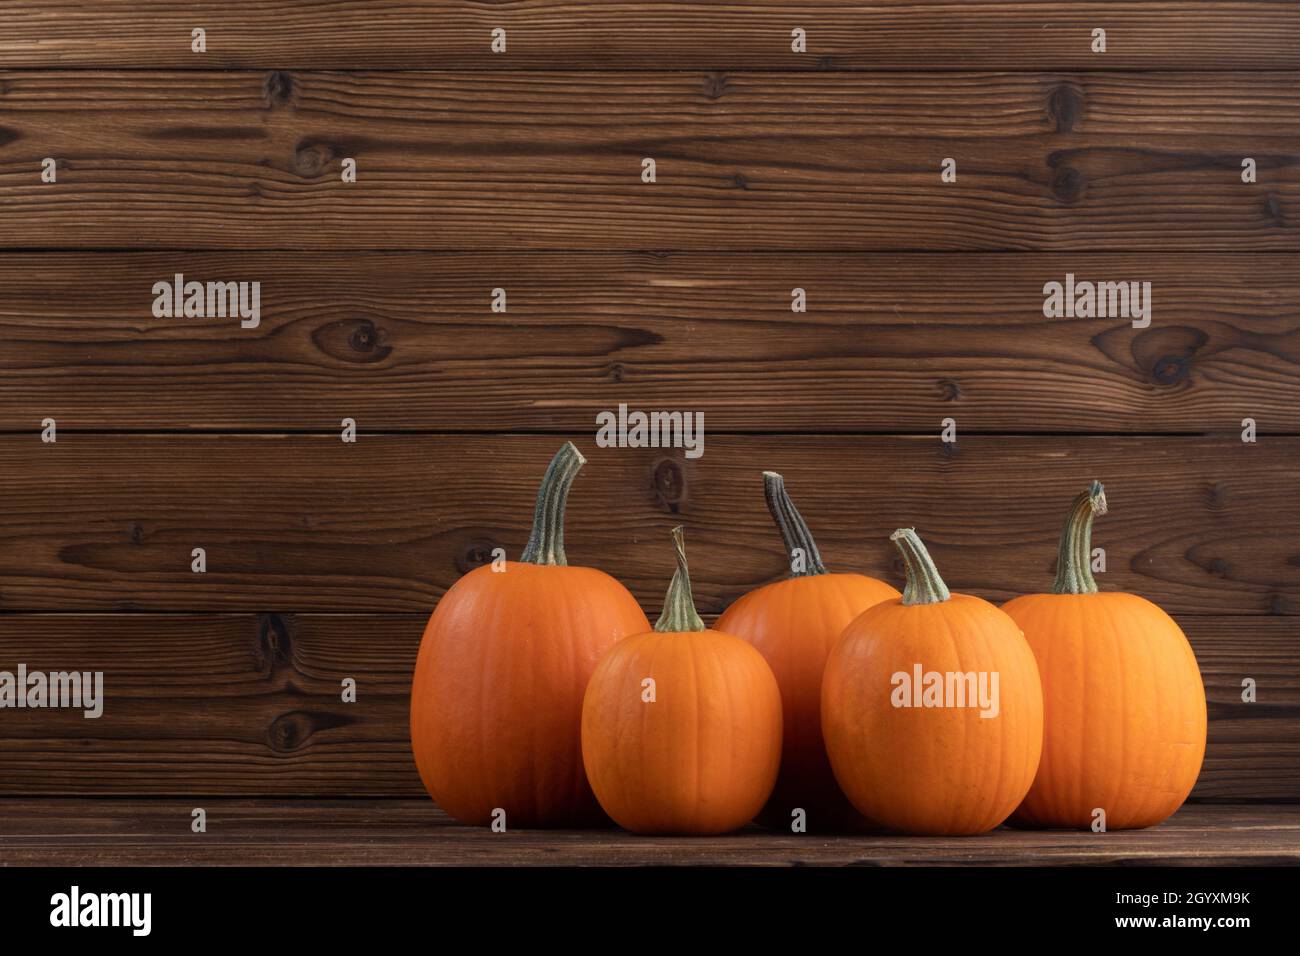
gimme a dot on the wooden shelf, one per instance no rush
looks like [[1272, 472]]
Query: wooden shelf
[[131, 832]]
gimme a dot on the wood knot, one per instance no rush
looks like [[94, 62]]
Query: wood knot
[[476, 553], [739, 181], [669, 484], [289, 731], [949, 391], [311, 159], [897, 567], [715, 85], [366, 337], [358, 341], [278, 89], [1065, 107], [1067, 184], [1167, 353], [616, 372], [137, 534], [274, 646], [10, 135], [1169, 370]]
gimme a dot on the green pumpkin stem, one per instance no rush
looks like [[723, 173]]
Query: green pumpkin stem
[[546, 543], [1074, 554], [794, 532], [924, 586], [679, 614]]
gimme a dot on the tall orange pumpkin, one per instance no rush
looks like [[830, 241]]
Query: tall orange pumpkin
[[931, 708], [793, 624], [496, 703], [1124, 719], [681, 726]]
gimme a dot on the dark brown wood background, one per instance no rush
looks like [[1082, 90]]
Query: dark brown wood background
[[522, 171]]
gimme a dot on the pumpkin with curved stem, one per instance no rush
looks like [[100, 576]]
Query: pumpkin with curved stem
[[681, 726], [932, 709], [496, 701], [1124, 705], [794, 623]]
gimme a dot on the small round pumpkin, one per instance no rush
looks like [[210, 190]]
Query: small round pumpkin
[[1124, 705], [681, 726], [496, 703], [794, 623], [931, 708]]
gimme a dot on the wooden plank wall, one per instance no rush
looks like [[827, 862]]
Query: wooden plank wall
[[522, 171], [508, 161], [609, 35]]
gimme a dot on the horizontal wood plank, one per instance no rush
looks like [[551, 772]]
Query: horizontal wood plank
[[613, 34], [251, 704], [744, 160], [229, 704], [1200, 525], [414, 832], [890, 342]]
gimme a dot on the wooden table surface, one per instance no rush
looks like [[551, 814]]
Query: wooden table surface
[[521, 171], [244, 832]]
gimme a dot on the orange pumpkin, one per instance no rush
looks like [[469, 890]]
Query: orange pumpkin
[[1124, 706], [681, 726], [496, 702], [931, 708], [794, 624]]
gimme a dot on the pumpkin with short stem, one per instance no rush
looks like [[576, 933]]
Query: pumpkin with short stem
[[1124, 706], [496, 703], [931, 708], [681, 726], [794, 623]]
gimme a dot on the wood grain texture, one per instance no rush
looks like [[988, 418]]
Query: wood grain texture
[[1199, 525], [415, 833], [891, 342], [222, 705], [522, 171], [212, 705], [611, 34], [554, 161]]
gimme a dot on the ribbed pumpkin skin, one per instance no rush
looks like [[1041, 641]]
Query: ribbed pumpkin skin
[[794, 624], [496, 702], [940, 771], [702, 758], [1124, 710]]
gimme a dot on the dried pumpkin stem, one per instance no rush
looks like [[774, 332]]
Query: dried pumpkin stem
[[799, 543], [1074, 554], [679, 605], [924, 586], [546, 543]]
